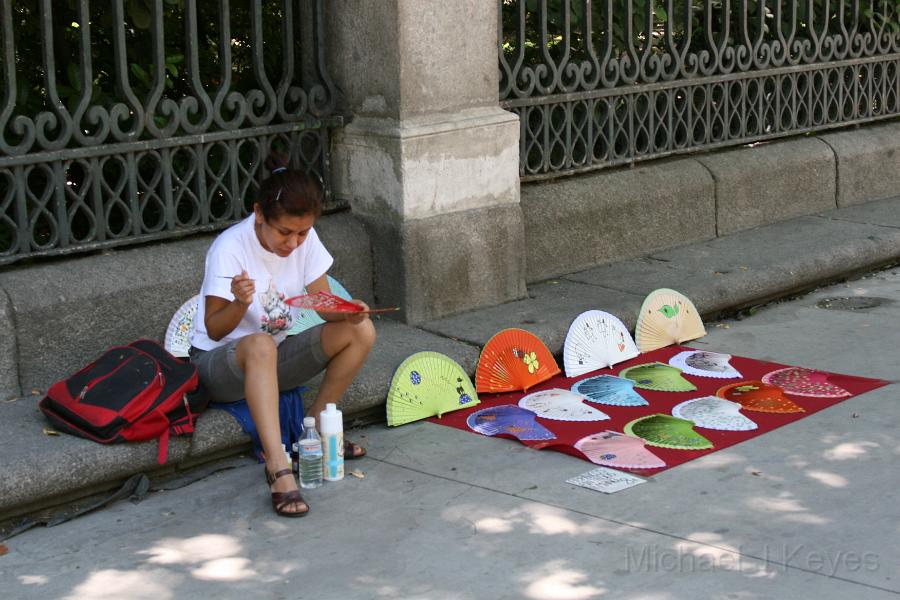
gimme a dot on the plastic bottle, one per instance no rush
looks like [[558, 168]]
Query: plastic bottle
[[332, 423], [310, 455]]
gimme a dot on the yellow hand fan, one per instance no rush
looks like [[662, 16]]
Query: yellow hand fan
[[667, 317], [428, 384], [514, 359]]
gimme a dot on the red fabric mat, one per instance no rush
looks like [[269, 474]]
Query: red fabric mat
[[567, 433]]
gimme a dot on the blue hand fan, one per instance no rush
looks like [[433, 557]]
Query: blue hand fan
[[305, 319], [509, 419], [609, 389]]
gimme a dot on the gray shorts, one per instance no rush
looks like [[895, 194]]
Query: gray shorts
[[300, 358]]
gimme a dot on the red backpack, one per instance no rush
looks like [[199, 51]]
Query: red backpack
[[130, 393]]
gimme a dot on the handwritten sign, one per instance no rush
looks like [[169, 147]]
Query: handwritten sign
[[606, 480]]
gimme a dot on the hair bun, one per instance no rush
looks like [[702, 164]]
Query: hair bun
[[276, 162]]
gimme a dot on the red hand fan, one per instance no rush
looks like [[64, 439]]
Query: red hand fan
[[329, 303], [759, 396], [514, 359]]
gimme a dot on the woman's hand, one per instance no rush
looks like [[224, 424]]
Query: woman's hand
[[243, 288], [357, 318]]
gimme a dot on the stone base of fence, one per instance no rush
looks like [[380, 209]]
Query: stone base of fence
[[589, 220]]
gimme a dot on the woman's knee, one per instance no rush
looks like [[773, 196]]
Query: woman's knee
[[257, 347], [365, 333]]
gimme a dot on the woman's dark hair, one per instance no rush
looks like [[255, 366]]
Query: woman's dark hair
[[288, 191]]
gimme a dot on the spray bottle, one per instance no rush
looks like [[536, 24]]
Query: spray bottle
[[331, 422]]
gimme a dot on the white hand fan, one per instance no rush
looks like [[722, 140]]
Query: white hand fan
[[181, 328], [667, 317], [711, 412], [705, 364], [561, 405], [595, 340]]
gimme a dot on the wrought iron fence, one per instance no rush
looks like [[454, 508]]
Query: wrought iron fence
[[123, 122], [616, 81]]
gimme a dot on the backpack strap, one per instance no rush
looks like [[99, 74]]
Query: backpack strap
[[163, 452]]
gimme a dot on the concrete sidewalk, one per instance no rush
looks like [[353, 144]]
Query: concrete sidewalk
[[725, 274], [804, 511]]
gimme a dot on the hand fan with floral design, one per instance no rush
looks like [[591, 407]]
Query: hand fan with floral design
[[561, 405], [759, 396], [712, 412], [614, 449], [595, 340], [609, 389], [667, 317], [428, 384], [704, 364], [514, 359], [181, 327], [509, 419], [667, 431], [658, 376], [805, 382]]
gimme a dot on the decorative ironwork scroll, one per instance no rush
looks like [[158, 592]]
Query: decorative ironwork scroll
[[601, 83], [123, 121]]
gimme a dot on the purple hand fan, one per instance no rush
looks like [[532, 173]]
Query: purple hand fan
[[511, 420]]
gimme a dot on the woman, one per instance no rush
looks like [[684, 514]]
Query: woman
[[240, 343]]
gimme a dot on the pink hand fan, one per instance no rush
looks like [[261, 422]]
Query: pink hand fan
[[805, 382], [615, 449]]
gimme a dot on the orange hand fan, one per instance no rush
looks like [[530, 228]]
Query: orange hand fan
[[667, 317], [514, 359], [759, 396]]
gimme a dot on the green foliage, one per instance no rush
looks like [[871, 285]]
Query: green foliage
[[650, 20], [142, 72]]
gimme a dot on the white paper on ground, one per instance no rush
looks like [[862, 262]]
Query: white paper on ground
[[606, 480]]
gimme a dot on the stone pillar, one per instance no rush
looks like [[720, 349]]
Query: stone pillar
[[429, 160]]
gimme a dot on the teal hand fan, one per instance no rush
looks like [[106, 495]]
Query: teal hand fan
[[428, 384], [658, 376], [667, 431], [305, 319]]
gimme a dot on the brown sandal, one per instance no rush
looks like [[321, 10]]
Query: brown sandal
[[351, 452], [282, 499]]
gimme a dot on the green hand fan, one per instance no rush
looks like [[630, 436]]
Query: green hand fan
[[667, 431], [428, 384], [658, 376]]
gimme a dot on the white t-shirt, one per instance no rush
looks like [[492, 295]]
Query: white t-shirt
[[238, 249]]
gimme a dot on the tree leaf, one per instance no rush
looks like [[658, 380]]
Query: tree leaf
[[140, 16]]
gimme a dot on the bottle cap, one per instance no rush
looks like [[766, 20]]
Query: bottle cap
[[309, 422], [331, 408]]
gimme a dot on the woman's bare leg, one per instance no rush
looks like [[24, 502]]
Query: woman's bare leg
[[256, 355], [347, 345]]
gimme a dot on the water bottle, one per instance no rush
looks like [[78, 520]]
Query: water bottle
[[332, 422], [310, 455]]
